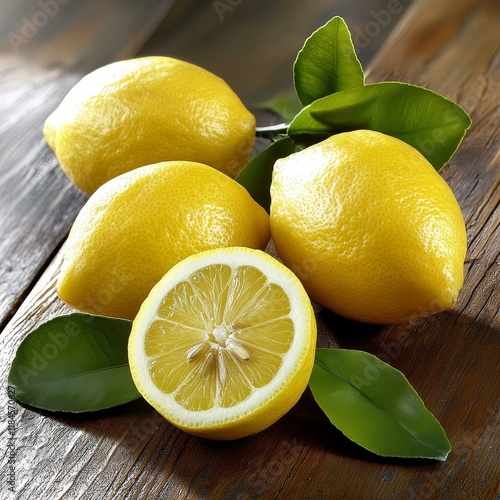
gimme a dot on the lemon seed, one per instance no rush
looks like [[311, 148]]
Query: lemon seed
[[240, 352]]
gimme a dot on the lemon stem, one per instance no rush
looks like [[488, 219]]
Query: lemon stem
[[272, 132]]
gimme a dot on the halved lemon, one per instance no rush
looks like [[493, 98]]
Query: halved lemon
[[224, 344]]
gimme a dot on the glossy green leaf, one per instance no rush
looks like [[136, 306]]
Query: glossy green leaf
[[257, 174], [306, 130], [327, 63], [375, 406], [74, 363], [429, 122]]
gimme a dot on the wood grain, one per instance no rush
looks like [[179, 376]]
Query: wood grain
[[450, 358], [38, 203]]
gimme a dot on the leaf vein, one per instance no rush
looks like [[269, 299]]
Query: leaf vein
[[404, 427]]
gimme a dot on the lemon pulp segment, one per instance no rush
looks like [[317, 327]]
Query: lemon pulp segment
[[218, 336]]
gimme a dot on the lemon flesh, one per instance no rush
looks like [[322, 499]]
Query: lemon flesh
[[371, 229], [224, 344]]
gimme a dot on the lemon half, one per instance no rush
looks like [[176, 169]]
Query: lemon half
[[224, 344]]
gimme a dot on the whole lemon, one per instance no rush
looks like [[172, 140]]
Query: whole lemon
[[141, 111], [134, 228], [371, 229]]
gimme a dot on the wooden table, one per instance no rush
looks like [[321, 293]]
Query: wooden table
[[450, 46]]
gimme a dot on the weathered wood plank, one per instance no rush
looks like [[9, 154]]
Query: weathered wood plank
[[450, 358], [38, 65]]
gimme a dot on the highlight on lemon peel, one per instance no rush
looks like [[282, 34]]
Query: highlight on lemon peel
[[224, 344]]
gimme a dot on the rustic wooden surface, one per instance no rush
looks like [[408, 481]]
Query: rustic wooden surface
[[450, 358]]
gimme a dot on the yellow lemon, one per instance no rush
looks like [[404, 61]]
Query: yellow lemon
[[371, 229], [224, 344], [147, 110], [134, 228]]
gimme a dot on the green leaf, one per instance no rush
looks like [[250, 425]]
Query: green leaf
[[327, 63], [375, 406], [74, 363], [429, 122], [306, 130], [257, 174]]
